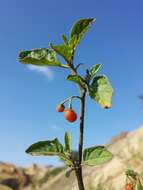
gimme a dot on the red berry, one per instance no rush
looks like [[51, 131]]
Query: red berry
[[70, 115], [128, 186], [60, 108]]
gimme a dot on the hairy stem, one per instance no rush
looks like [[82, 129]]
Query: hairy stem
[[80, 148], [77, 165]]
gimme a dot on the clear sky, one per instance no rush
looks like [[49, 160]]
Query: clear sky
[[28, 96]]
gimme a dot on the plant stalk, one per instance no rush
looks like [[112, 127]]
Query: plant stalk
[[78, 166], [78, 170], [79, 177]]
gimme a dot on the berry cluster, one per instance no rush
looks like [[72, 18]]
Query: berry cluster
[[69, 114]]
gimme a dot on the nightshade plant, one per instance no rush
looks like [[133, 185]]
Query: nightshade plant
[[133, 180], [96, 86]]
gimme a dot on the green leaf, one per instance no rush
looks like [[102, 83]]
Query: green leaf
[[68, 173], [49, 148], [63, 50], [41, 57], [101, 91], [78, 30], [92, 72], [67, 142], [65, 39], [138, 185], [77, 79], [96, 155], [131, 173], [95, 68], [45, 148]]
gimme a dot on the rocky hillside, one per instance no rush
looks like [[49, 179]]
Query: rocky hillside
[[127, 149], [31, 178]]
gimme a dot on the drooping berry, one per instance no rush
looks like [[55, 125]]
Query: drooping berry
[[60, 108], [70, 115]]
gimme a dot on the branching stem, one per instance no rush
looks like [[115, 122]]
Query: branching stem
[[71, 97]]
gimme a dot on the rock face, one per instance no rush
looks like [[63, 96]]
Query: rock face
[[19, 178], [13, 177], [126, 148]]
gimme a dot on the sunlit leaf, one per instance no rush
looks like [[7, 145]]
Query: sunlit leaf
[[41, 57], [63, 50], [48, 148], [101, 91], [78, 30], [96, 155], [92, 72]]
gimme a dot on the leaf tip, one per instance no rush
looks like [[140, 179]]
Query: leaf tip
[[27, 151], [51, 45], [21, 55], [93, 19], [107, 107]]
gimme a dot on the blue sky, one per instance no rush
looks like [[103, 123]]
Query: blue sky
[[28, 97]]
